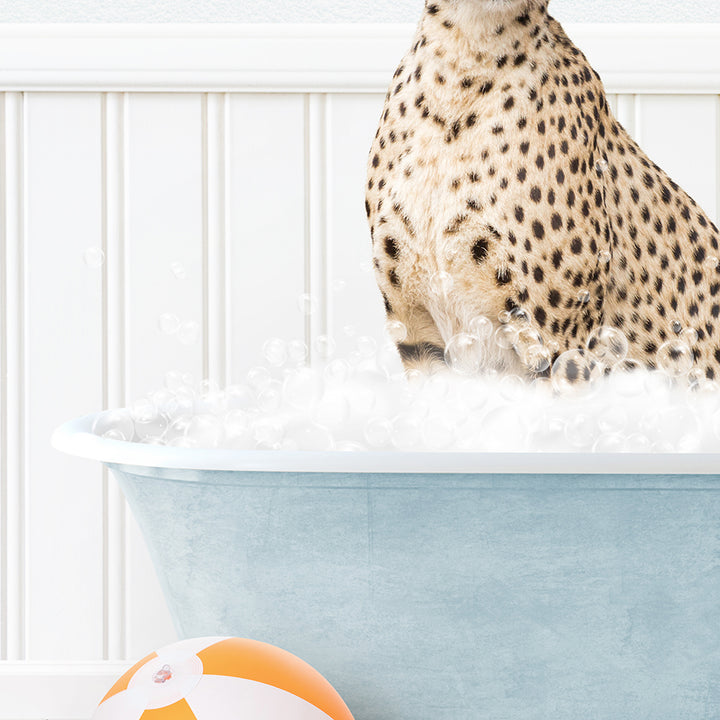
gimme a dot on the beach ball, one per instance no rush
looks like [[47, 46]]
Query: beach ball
[[222, 679]]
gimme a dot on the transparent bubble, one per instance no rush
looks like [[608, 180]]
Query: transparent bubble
[[270, 398], [366, 346], [237, 424], [240, 397], [177, 428], [302, 387], [275, 352], [143, 410], [267, 431], [608, 344], [406, 431], [512, 387], [259, 378], [169, 324], [575, 373], [178, 270], [637, 443], [309, 436], [307, 304], [396, 331], [378, 432], [481, 327], [601, 165], [711, 264], [613, 420], [609, 443], [505, 317], [325, 347], [333, 410], [690, 336], [189, 333], [581, 431], [537, 358], [675, 358], [441, 284], [464, 354], [520, 316], [337, 371], [506, 337], [604, 258], [527, 336], [584, 297], [151, 429], [118, 423], [438, 432], [297, 352], [676, 327], [94, 257], [206, 430]]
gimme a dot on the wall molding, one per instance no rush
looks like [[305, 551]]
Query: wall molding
[[67, 691], [632, 58]]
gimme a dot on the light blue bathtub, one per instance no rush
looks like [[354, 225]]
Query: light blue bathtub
[[447, 587]]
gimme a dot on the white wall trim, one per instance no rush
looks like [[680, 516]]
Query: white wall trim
[[68, 691], [632, 58]]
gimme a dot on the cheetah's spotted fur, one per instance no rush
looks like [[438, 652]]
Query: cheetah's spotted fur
[[499, 162]]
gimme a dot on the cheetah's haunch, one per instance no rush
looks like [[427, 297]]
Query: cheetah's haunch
[[499, 181]]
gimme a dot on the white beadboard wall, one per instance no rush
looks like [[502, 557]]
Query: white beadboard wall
[[239, 152]]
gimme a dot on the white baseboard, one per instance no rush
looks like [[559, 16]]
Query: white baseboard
[[68, 691]]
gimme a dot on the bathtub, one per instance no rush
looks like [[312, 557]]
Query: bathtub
[[446, 586]]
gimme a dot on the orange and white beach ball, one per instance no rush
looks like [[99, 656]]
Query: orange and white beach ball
[[222, 679]]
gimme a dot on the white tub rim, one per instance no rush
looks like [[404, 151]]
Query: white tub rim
[[76, 438]]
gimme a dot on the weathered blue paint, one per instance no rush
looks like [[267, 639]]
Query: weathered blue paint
[[454, 597]]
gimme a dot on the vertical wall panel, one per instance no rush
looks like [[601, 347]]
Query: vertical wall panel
[[267, 231], [355, 301], [3, 386], [64, 324], [679, 133], [163, 226]]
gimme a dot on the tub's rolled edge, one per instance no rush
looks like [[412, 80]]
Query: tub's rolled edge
[[76, 438]]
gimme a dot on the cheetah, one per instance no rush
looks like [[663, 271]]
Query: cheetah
[[499, 182]]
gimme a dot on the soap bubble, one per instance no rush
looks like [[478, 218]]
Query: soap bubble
[[441, 284], [189, 333], [302, 387], [178, 270], [604, 258], [307, 304], [438, 432], [94, 257], [275, 352], [169, 323], [396, 331], [325, 347], [690, 336], [297, 352], [143, 410], [676, 327], [151, 429], [267, 432], [337, 371], [464, 354], [576, 373], [520, 316], [537, 358], [205, 430], [601, 166], [675, 358], [481, 326], [506, 337], [332, 410], [406, 430], [584, 297], [711, 264], [609, 443], [240, 397], [581, 431], [378, 432], [608, 345], [512, 387], [259, 378], [114, 425], [309, 436], [627, 377], [270, 398], [366, 346], [613, 420]]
